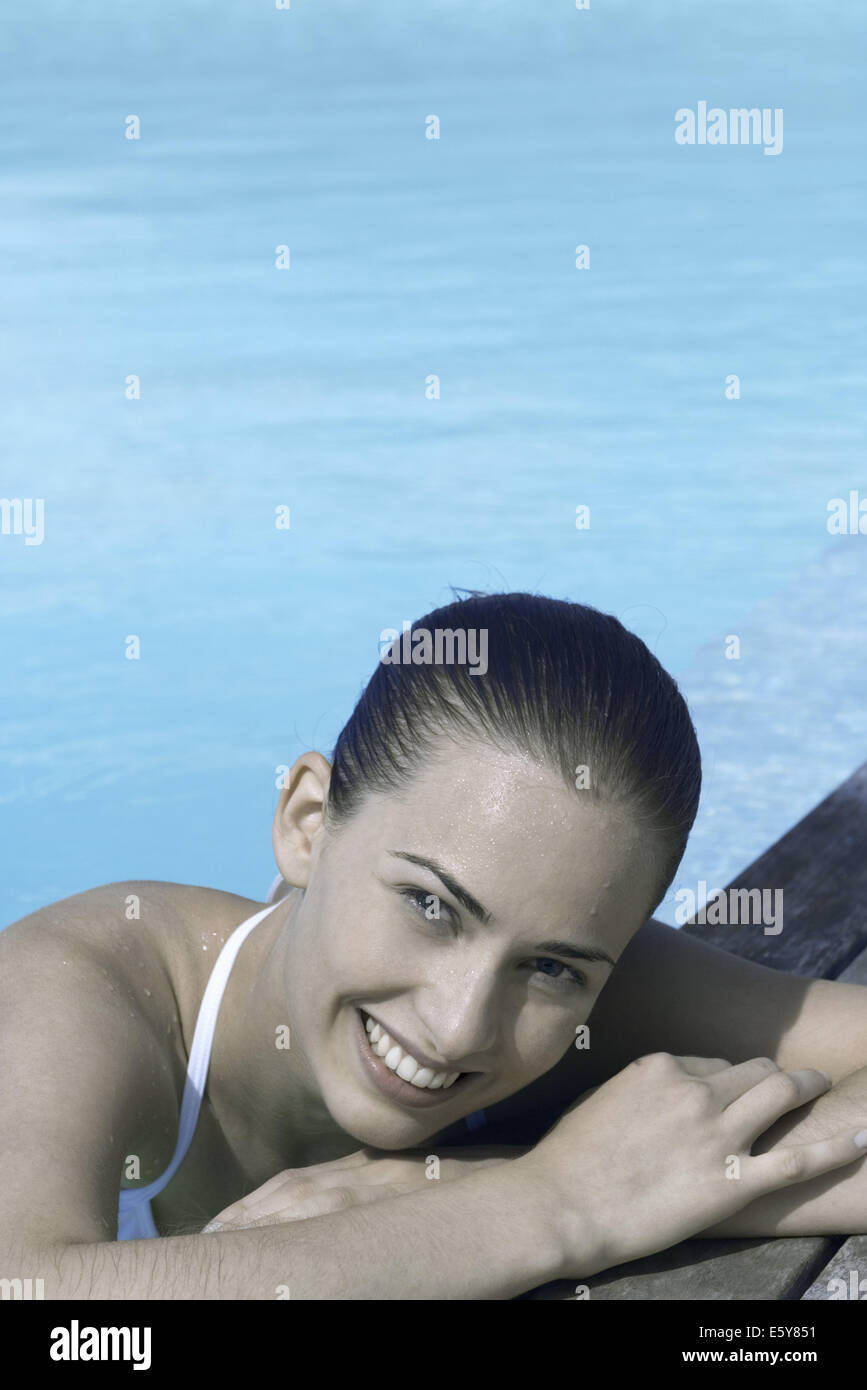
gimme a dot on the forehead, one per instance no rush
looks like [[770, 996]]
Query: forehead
[[518, 838]]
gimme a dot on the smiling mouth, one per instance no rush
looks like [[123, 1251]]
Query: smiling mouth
[[403, 1064]]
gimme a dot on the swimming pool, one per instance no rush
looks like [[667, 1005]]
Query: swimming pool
[[309, 388]]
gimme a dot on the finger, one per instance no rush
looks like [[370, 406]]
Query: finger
[[704, 1066], [272, 1195], [766, 1101], [239, 1218], [730, 1083], [794, 1163], [275, 1184], [289, 1190], [354, 1160], [320, 1203], [236, 1211], [472, 1152], [339, 1198], [289, 1178]]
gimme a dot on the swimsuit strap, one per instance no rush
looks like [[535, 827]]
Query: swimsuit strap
[[274, 891], [200, 1056]]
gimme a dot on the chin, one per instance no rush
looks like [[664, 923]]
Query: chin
[[392, 1132]]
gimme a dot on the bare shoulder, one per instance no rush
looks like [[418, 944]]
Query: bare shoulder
[[98, 999], [137, 931], [139, 950]]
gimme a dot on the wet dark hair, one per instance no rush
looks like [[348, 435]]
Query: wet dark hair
[[566, 684]]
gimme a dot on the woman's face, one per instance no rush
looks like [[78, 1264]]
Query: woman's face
[[537, 895]]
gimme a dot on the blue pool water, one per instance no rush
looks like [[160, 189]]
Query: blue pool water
[[306, 388]]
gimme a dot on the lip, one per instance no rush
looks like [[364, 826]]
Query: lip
[[394, 1086]]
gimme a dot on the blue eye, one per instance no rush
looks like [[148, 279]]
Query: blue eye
[[428, 905], [572, 977]]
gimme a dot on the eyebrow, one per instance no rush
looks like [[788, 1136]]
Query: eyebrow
[[472, 905]]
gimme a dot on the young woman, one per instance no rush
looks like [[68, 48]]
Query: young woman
[[301, 1098]]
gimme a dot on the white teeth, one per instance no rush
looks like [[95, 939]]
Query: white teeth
[[421, 1078], [405, 1065], [407, 1069]]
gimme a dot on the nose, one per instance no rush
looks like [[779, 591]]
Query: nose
[[460, 1013]]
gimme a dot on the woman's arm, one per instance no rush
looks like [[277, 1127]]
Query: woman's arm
[[367, 1175], [674, 993], [491, 1235], [835, 1204]]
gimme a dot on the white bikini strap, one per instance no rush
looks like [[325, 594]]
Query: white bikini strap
[[200, 1051]]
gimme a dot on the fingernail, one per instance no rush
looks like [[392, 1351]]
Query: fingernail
[[826, 1076], [861, 1139], [218, 1225]]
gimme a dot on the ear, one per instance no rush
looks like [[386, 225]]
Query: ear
[[299, 816]]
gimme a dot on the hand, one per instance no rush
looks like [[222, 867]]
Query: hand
[[368, 1175], [662, 1151]]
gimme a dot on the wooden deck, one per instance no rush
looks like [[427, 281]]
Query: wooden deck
[[821, 865]]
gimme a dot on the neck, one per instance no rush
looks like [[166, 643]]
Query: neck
[[263, 1094]]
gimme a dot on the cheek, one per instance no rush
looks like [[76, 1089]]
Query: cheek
[[353, 952], [543, 1041]]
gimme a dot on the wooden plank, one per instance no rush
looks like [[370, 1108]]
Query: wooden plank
[[822, 867], [856, 972], [708, 1269], [848, 1268]]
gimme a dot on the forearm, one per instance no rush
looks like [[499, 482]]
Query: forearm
[[835, 1204], [489, 1235]]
